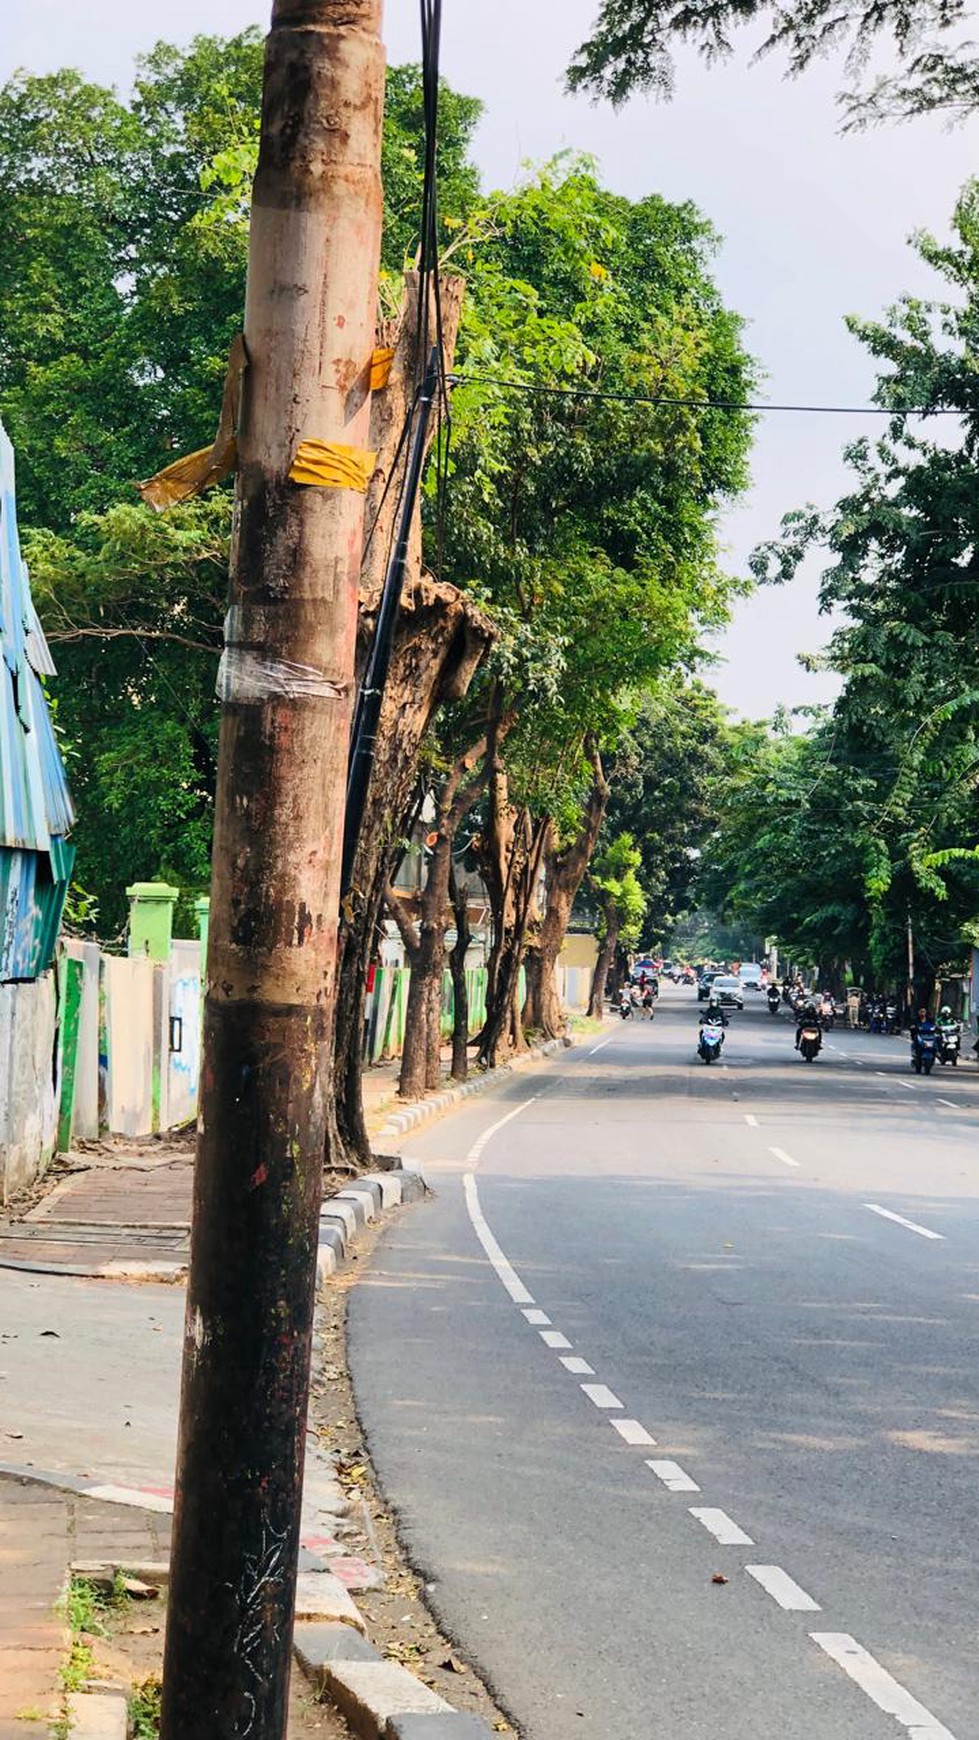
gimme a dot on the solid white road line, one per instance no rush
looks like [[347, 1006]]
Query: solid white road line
[[632, 1432], [673, 1476], [481, 1141], [912, 1225], [779, 1585], [553, 1338], [780, 1154], [719, 1524], [508, 1275], [881, 1688], [536, 1317], [601, 1395], [578, 1367], [751, 1121]]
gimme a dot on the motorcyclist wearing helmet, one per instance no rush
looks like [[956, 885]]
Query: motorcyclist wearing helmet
[[806, 1016], [713, 1012]]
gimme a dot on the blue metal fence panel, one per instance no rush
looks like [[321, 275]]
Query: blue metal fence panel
[[35, 804]]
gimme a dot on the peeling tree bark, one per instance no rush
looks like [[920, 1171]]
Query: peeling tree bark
[[440, 640], [310, 311]]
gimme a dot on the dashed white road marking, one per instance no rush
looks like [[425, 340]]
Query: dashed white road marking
[[780, 1154], [720, 1525], [578, 1367], [507, 1273], [601, 1395], [536, 1317], [553, 1338], [912, 1225], [632, 1432], [600, 1047], [949, 1103], [751, 1121], [880, 1686], [481, 1141], [673, 1476], [780, 1586], [912, 1086]]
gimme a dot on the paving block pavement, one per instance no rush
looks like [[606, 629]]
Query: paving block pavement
[[43, 1530]]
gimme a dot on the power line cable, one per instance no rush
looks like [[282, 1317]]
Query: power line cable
[[467, 376]]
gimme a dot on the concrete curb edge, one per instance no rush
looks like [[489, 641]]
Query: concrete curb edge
[[425, 1111]]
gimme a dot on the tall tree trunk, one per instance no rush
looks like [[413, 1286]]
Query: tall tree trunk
[[440, 639], [414, 1048], [460, 987], [421, 1060], [520, 841], [603, 966], [565, 869]]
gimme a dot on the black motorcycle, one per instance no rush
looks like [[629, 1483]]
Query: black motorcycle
[[774, 1000]]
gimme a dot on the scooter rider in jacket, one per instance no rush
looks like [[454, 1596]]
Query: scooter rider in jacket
[[805, 1017], [713, 1012]]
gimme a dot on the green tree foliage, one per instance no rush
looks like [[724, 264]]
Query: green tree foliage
[[615, 882], [133, 604], [879, 803], [123, 248], [632, 43], [672, 773], [588, 523]]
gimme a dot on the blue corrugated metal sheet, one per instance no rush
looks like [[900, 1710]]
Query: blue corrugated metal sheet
[[35, 804]]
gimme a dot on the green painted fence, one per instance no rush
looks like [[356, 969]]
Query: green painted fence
[[389, 1003]]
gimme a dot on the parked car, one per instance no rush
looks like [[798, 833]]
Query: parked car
[[728, 990], [704, 984]]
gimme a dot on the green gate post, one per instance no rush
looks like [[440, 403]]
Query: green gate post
[[74, 973], [151, 919], [202, 913]]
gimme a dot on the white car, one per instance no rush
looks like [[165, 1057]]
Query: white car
[[728, 990]]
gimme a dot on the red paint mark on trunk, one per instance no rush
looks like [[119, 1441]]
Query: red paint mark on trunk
[[258, 1176]]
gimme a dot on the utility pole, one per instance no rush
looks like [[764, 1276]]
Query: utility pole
[[286, 684], [912, 1012]]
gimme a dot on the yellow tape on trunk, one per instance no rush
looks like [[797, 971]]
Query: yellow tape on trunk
[[329, 465], [381, 362]]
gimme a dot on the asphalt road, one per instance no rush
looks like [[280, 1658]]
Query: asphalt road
[[718, 1246]]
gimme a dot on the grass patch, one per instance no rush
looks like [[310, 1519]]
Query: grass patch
[[144, 1710], [77, 1670]]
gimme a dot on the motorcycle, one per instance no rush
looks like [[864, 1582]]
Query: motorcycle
[[625, 1008], [710, 1041], [949, 1044], [924, 1050], [827, 1016], [810, 1043], [891, 1021], [774, 1000]]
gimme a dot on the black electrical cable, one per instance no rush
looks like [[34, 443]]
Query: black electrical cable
[[465, 377], [431, 388]]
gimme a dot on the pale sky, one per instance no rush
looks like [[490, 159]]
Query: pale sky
[[814, 226]]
